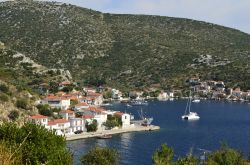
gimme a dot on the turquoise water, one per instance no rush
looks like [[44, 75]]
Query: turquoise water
[[219, 122]]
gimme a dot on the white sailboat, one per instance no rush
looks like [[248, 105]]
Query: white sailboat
[[196, 100], [145, 121], [190, 115]]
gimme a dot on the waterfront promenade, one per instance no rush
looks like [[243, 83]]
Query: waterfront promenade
[[135, 128]]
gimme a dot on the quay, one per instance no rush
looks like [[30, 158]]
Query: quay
[[136, 128]]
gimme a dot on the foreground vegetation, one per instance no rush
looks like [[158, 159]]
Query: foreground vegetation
[[32, 144], [223, 156]]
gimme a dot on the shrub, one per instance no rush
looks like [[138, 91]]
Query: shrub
[[226, 156], [22, 103], [91, 127], [163, 155], [13, 115], [4, 88], [113, 121], [44, 110], [36, 144], [67, 89], [4, 97], [101, 156]]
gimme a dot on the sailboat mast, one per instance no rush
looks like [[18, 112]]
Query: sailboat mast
[[189, 101]]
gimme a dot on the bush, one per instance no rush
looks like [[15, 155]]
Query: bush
[[36, 144], [163, 155], [67, 89], [22, 103], [113, 121], [226, 156], [91, 127], [4, 88], [223, 156], [4, 97], [44, 110], [101, 156], [13, 115]]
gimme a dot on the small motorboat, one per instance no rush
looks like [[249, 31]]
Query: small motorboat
[[106, 136]]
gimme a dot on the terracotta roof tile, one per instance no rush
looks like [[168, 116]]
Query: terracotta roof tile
[[57, 121], [38, 117]]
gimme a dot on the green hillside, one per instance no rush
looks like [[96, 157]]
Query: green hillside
[[132, 51]]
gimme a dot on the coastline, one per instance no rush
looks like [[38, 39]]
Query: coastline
[[136, 128]]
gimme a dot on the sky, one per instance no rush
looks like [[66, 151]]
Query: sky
[[230, 13]]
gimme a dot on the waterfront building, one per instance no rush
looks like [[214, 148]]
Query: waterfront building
[[39, 119], [125, 117], [61, 126]]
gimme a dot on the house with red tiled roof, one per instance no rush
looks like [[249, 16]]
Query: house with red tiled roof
[[237, 92], [39, 119], [59, 94], [67, 114], [88, 100], [63, 84], [61, 126], [80, 106], [56, 102], [97, 98], [99, 114]]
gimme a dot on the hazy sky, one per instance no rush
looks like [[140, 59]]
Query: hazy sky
[[231, 13]]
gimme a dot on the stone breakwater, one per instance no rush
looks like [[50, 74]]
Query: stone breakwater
[[111, 132]]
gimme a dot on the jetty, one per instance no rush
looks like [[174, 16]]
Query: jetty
[[136, 128]]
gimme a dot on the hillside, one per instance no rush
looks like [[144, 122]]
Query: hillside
[[125, 51]]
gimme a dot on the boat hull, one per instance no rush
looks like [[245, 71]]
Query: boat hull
[[191, 116]]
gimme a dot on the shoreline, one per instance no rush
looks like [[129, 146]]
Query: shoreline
[[111, 132]]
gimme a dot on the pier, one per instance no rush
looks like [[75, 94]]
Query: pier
[[136, 128]]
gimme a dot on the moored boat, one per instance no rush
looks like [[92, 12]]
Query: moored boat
[[105, 136], [190, 115]]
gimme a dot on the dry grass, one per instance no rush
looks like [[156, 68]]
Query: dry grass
[[8, 156]]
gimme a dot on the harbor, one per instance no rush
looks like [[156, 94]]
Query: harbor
[[219, 121]]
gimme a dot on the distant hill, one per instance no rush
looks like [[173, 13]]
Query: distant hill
[[125, 51]]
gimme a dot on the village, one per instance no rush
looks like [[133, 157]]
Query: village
[[82, 114]]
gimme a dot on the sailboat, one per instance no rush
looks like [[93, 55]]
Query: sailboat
[[190, 115], [145, 121]]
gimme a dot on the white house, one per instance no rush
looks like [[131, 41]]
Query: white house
[[77, 124], [81, 105], [98, 114], [63, 84], [67, 114], [125, 119], [162, 96], [96, 97], [116, 94], [56, 102], [171, 94], [61, 126], [237, 92], [39, 119]]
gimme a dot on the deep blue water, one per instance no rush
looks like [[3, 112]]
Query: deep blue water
[[219, 122]]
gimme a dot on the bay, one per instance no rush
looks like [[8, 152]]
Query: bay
[[220, 122]]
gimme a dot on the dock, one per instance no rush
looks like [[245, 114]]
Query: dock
[[136, 128]]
